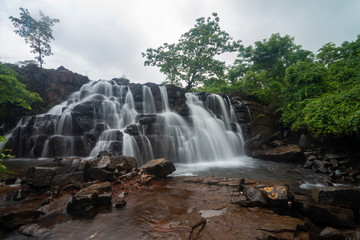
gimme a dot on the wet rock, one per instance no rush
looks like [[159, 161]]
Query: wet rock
[[334, 163], [104, 167], [277, 143], [65, 179], [339, 196], [277, 196], [10, 180], [283, 153], [329, 233], [35, 231], [16, 219], [319, 166], [304, 141], [147, 119], [159, 168], [308, 164], [40, 176], [56, 206], [120, 203], [276, 136], [324, 215], [132, 130], [254, 143], [98, 174], [87, 199], [19, 195], [256, 198]]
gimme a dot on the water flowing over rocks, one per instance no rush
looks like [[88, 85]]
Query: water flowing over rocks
[[143, 121]]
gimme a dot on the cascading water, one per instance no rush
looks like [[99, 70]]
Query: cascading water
[[134, 120]]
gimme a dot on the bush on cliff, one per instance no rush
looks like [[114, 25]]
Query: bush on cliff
[[14, 92]]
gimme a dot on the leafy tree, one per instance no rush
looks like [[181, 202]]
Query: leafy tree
[[260, 69], [192, 59], [14, 92], [37, 33], [323, 97], [3, 154], [303, 81]]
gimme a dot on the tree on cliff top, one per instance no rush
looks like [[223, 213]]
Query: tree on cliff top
[[192, 59], [37, 33]]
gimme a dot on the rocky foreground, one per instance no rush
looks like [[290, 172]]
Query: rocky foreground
[[110, 198]]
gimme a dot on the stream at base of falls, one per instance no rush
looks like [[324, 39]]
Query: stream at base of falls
[[293, 174]]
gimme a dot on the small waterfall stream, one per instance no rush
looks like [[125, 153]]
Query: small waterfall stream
[[130, 120]]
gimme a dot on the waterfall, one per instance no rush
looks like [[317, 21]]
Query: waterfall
[[148, 100], [164, 99], [123, 119]]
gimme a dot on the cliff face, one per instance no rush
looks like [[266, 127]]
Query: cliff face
[[54, 86]]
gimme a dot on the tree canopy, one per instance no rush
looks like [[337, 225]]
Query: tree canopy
[[192, 59], [318, 93], [37, 33], [14, 92]]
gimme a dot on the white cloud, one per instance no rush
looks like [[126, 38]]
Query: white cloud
[[104, 39]]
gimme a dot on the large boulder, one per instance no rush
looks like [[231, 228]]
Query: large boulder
[[40, 176], [13, 220], [339, 196], [286, 153], [104, 167], [254, 143], [255, 198], [87, 199], [277, 195], [160, 168], [325, 215], [57, 206]]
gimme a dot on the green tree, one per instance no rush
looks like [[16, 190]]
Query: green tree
[[192, 59], [260, 69], [14, 92], [37, 33]]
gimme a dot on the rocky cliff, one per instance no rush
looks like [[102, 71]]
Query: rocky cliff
[[54, 87]]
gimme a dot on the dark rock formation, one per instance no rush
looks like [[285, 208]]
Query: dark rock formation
[[41, 176], [88, 199], [160, 168], [16, 219], [54, 86]]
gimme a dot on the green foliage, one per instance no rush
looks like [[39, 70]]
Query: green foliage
[[37, 33], [335, 113], [319, 94], [260, 69], [3, 170], [324, 97], [14, 92], [302, 81], [192, 59]]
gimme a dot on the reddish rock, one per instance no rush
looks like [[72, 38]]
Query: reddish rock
[[159, 168], [283, 153]]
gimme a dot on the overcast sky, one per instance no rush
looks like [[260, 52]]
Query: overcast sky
[[104, 39]]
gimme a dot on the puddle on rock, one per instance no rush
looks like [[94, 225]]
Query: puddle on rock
[[212, 213]]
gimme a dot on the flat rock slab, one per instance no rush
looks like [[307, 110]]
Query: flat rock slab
[[288, 153]]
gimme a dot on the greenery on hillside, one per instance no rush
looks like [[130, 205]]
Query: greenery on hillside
[[318, 93], [14, 92], [315, 93]]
